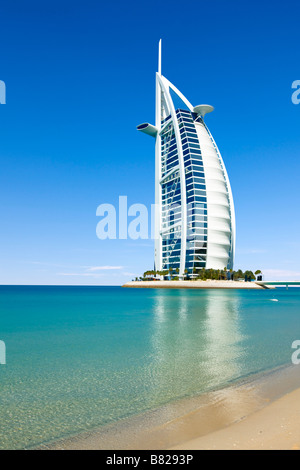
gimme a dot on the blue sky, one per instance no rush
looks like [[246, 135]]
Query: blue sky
[[80, 76]]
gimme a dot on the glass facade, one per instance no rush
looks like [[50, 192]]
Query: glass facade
[[170, 198], [196, 234]]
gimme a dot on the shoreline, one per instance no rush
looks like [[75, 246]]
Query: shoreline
[[209, 284], [223, 418], [274, 427]]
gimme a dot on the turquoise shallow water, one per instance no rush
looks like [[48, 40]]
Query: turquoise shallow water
[[82, 357]]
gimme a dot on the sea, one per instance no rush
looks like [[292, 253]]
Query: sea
[[79, 358]]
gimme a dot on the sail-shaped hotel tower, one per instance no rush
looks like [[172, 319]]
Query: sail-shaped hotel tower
[[194, 210]]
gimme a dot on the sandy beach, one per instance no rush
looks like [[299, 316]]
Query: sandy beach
[[209, 284], [276, 427], [261, 413]]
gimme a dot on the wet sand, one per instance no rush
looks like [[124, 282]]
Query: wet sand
[[276, 427], [262, 412]]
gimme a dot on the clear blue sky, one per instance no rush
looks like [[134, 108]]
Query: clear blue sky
[[80, 76]]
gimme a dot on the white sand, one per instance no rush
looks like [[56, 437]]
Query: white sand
[[275, 427]]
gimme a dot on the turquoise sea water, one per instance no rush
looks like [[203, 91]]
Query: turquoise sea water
[[82, 357]]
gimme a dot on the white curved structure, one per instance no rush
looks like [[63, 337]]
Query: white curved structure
[[194, 219]]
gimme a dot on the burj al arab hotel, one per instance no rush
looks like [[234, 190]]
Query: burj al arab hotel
[[194, 210]]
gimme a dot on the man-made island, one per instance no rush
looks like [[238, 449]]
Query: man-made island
[[201, 279], [197, 284]]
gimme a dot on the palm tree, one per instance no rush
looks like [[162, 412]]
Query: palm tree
[[240, 274]]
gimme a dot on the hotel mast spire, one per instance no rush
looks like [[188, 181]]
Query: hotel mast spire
[[159, 57]]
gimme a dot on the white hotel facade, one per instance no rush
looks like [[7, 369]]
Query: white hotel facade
[[194, 218]]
